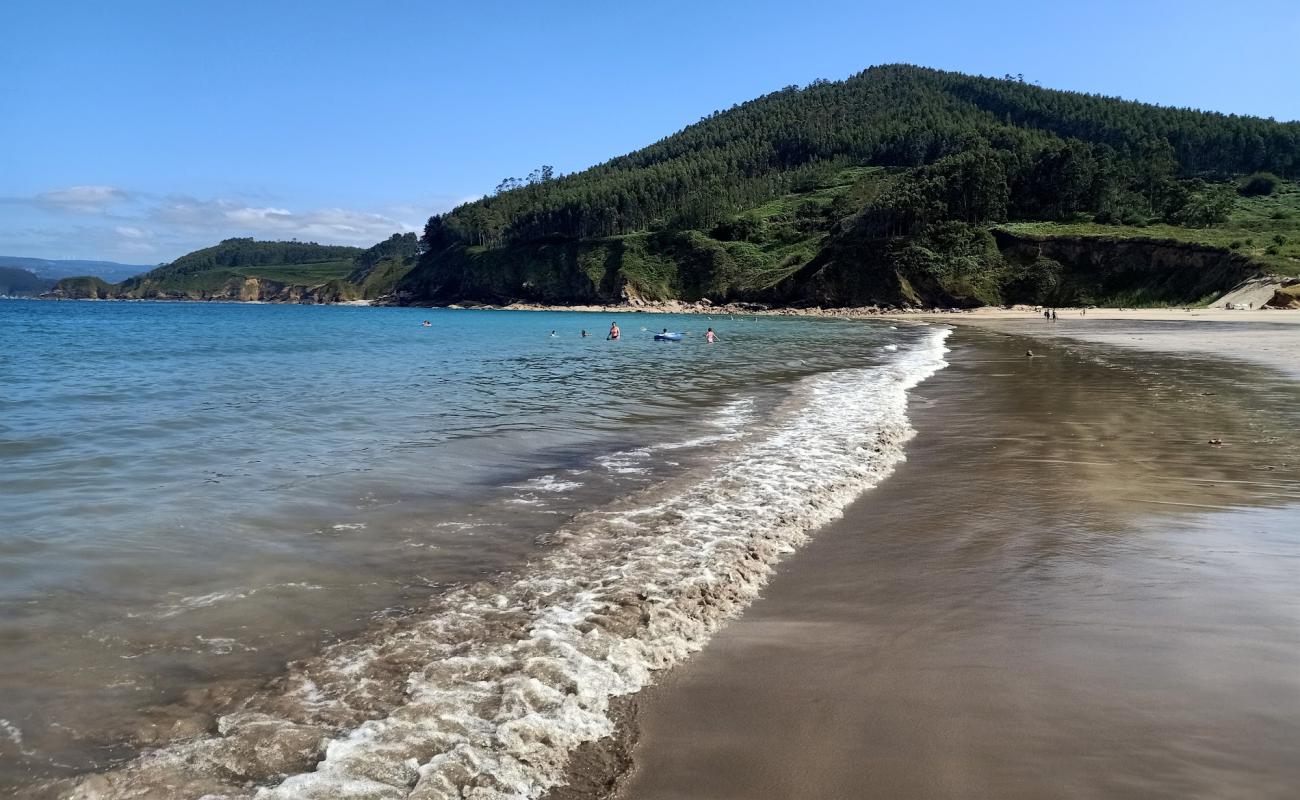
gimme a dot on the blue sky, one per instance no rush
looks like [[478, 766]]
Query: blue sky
[[137, 131]]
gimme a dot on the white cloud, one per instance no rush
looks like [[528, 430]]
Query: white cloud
[[81, 199], [129, 226], [329, 225], [134, 240]]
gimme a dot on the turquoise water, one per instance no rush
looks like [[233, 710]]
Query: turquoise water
[[195, 494]]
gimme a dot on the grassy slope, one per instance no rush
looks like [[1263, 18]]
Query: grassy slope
[[1251, 230]]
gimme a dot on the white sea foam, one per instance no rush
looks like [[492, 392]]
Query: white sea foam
[[486, 696], [548, 483], [14, 734]]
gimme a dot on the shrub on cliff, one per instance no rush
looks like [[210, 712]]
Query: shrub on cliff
[[1259, 185]]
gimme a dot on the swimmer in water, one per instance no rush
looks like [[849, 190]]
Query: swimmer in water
[[710, 336], [614, 332], [585, 334]]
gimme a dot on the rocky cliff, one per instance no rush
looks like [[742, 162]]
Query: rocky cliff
[[1082, 270]]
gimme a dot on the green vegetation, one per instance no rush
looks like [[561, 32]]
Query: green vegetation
[[885, 188], [1264, 227], [86, 287], [246, 269], [224, 268], [1260, 183], [15, 282]]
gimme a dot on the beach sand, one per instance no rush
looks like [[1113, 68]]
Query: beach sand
[[1066, 591], [1266, 338]]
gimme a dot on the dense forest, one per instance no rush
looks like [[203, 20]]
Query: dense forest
[[904, 170]]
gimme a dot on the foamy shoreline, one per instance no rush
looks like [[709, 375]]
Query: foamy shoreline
[[488, 694]]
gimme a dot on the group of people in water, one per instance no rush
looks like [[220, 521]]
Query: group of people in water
[[615, 333]]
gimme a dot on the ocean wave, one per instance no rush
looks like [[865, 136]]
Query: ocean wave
[[731, 417], [199, 601], [548, 483], [487, 694]]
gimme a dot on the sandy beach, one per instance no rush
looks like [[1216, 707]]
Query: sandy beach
[[1066, 590], [1269, 338]]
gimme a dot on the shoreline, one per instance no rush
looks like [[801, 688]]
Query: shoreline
[[704, 307], [942, 672]]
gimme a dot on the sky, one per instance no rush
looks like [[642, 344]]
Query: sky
[[138, 131]]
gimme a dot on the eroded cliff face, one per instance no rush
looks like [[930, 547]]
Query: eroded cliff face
[[1081, 270]]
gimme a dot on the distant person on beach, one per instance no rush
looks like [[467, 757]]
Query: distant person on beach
[[1053, 315], [614, 332], [710, 336], [1047, 314]]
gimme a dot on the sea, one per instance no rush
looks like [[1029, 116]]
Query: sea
[[283, 551]]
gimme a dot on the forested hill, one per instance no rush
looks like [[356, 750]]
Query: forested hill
[[16, 282], [883, 188]]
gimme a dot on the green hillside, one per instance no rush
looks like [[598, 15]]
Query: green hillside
[[1265, 228], [15, 282], [900, 185], [247, 269]]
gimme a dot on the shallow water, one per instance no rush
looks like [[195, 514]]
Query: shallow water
[[196, 494]]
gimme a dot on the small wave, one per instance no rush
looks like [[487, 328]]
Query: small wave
[[222, 646], [14, 734], [731, 417], [198, 601], [626, 462], [486, 695], [548, 483], [467, 525], [201, 601]]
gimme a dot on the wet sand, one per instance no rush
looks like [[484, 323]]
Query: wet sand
[[1064, 592]]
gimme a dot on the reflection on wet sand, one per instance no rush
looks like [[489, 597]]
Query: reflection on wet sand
[[1065, 591]]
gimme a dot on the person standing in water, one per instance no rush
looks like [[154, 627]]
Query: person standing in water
[[710, 336], [614, 332]]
